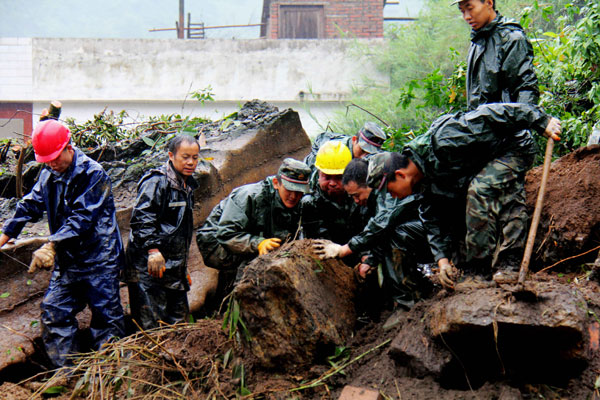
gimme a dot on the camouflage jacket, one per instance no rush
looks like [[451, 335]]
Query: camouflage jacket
[[252, 213], [455, 149], [500, 70]]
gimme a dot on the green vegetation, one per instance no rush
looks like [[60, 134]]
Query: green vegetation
[[426, 63]]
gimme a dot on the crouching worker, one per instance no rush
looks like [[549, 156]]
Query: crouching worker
[[84, 245], [253, 220], [393, 227], [469, 158], [161, 233]]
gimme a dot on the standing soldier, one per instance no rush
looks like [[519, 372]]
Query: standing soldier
[[500, 70], [84, 245], [161, 233]]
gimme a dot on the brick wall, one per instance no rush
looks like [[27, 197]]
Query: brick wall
[[355, 18], [15, 119]]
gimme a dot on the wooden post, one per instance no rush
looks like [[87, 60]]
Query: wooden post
[[181, 29], [52, 112]]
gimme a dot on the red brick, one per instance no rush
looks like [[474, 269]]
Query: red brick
[[356, 393]]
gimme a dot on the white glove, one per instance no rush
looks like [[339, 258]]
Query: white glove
[[42, 258], [325, 249]]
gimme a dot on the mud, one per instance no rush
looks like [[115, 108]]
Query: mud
[[570, 221]]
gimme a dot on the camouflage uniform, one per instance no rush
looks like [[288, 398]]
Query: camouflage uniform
[[454, 156], [500, 70], [229, 238]]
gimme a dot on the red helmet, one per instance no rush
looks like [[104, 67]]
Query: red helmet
[[50, 137]]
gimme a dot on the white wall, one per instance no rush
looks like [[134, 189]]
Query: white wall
[[15, 69], [154, 76]]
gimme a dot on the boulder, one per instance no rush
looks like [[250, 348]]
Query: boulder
[[295, 307], [488, 333]]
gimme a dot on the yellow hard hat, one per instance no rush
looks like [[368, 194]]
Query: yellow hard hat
[[333, 157]]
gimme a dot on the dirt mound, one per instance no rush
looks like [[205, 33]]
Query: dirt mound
[[570, 221]]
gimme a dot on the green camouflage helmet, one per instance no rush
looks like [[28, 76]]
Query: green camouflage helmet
[[294, 175], [376, 176]]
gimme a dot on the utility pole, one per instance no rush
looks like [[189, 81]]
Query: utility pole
[[181, 26]]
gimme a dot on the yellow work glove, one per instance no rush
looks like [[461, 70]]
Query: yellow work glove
[[42, 257], [156, 263], [268, 245]]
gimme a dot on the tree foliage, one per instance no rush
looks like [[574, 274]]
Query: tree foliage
[[426, 62]]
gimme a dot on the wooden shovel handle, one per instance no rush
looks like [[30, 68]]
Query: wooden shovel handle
[[537, 212]]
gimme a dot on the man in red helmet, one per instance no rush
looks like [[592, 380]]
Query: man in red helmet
[[84, 245]]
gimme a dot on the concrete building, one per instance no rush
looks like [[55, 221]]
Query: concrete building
[[155, 76]]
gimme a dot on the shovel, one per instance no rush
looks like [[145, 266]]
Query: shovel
[[536, 215]]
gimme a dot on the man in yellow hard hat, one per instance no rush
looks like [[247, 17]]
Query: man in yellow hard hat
[[329, 212]]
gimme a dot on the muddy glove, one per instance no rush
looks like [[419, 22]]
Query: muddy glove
[[156, 263], [326, 249], [553, 129], [447, 273], [361, 271], [42, 258], [268, 245]]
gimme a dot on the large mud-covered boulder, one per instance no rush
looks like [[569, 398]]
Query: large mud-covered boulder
[[570, 221], [488, 333], [295, 307]]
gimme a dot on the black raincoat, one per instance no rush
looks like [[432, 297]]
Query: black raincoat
[[500, 70], [162, 219]]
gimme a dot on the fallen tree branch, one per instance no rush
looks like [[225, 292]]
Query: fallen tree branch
[[319, 381], [567, 259]]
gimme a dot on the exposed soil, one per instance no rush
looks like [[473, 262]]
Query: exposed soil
[[570, 221]]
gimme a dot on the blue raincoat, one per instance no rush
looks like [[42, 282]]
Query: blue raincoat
[[89, 253]]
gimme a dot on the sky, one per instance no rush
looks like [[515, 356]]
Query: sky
[[134, 18], [124, 18]]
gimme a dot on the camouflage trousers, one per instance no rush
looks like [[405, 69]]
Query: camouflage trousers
[[496, 216]]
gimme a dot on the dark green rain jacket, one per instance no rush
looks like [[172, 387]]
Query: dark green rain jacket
[[384, 213], [456, 148], [253, 213], [500, 70]]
